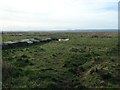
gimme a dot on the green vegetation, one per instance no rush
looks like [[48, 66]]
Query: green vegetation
[[86, 60]]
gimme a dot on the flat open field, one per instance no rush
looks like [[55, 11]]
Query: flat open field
[[86, 60]]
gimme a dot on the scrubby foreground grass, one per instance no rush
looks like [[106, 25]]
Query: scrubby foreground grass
[[86, 60]]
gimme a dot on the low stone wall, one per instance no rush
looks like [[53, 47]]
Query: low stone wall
[[26, 42]]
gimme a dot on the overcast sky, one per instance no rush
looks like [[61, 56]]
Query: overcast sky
[[58, 14]]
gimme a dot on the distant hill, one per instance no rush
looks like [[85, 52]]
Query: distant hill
[[88, 30], [69, 30]]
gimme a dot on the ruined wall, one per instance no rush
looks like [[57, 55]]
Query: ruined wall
[[26, 43]]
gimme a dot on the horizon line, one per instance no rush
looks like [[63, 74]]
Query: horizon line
[[65, 30]]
